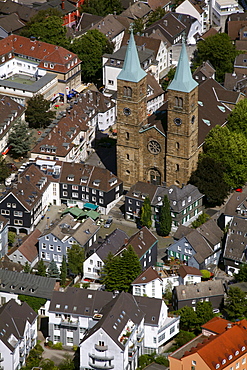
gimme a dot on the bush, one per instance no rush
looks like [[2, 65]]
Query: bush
[[57, 345], [205, 274]]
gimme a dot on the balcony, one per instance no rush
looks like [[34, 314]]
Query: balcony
[[140, 336], [101, 358], [69, 323], [100, 348], [100, 366], [131, 353]]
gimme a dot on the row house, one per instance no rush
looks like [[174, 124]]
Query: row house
[[236, 207], [221, 345], [199, 11], [34, 60], [14, 283], [56, 240], [80, 183], [185, 203], [18, 334], [10, 113], [148, 283]]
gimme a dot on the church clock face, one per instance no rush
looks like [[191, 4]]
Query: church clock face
[[154, 147], [177, 121], [127, 111]]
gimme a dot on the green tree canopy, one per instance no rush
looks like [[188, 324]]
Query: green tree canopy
[[101, 7], [183, 337], [90, 49], [188, 318], [47, 26], [168, 78], [19, 139], [34, 302], [236, 304], [209, 179], [76, 257], [119, 272], [146, 213], [38, 114], [53, 271], [204, 312], [205, 274], [154, 16], [27, 268], [41, 269], [229, 148], [242, 274], [201, 219], [138, 25], [237, 121], [4, 169], [220, 51], [165, 218]]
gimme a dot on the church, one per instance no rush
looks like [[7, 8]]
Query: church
[[162, 148]]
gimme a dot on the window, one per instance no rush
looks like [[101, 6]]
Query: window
[[127, 91], [110, 82], [243, 360], [74, 187], [18, 222], [8, 205], [51, 247], [177, 167], [127, 135], [18, 213], [172, 329], [13, 205], [5, 212], [65, 186], [237, 365], [74, 195]]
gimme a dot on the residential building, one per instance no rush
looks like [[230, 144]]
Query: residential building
[[145, 245], [3, 236], [14, 283], [24, 12], [10, 112], [235, 246], [82, 183], [221, 10], [159, 327], [57, 239], [227, 350], [206, 70], [18, 328], [199, 11], [189, 275], [148, 284], [50, 70], [27, 251], [98, 252], [207, 291], [185, 203], [236, 207]]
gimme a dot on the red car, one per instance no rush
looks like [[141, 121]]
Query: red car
[[239, 190]]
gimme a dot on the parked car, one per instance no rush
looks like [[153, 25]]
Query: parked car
[[108, 222]]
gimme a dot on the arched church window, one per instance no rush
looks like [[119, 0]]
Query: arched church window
[[127, 135], [177, 145], [127, 156], [180, 102], [176, 101], [155, 176], [127, 172], [177, 167], [127, 91]]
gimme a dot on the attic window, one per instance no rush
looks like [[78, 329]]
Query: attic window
[[207, 122], [174, 202], [74, 308], [223, 362], [46, 65], [113, 181], [12, 287], [200, 103], [189, 199], [229, 357], [170, 191], [70, 177], [96, 182], [217, 366], [90, 296], [66, 307], [87, 309], [236, 353], [57, 305], [223, 109], [243, 348], [153, 318], [51, 65]]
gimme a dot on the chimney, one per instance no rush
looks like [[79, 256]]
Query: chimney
[[62, 5]]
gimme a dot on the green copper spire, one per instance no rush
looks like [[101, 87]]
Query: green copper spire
[[183, 80], [132, 70]]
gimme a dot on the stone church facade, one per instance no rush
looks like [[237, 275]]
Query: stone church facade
[[163, 147]]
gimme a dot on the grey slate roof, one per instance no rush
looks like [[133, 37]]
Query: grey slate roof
[[13, 318], [34, 285], [83, 302], [35, 87], [236, 241], [208, 288], [151, 307], [211, 232], [199, 244], [236, 204], [111, 244], [116, 315]]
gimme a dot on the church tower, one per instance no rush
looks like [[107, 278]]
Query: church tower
[[131, 116], [182, 124]]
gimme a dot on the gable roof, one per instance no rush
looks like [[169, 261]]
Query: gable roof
[[236, 205], [109, 26], [11, 23], [34, 285], [131, 70], [111, 244], [210, 288], [136, 10], [13, 318], [143, 42], [141, 242], [28, 247], [187, 270], [199, 244], [9, 109], [24, 12], [146, 276], [211, 232], [216, 325], [236, 241]]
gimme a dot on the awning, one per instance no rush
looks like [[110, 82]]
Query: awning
[[90, 206], [80, 88]]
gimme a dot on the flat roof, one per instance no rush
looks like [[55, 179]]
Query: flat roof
[[27, 83]]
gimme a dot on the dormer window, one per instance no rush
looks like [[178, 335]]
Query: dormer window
[[96, 182], [113, 181], [71, 177], [51, 65], [183, 203], [84, 179], [46, 65], [3, 59]]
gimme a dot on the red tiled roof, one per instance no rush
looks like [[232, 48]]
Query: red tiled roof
[[187, 270], [216, 325], [62, 60]]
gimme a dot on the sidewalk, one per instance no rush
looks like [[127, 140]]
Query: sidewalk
[[57, 356]]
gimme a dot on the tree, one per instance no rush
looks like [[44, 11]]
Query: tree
[[205, 274], [169, 77], [229, 148], [237, 120], [101, 7], [204, 312], [34, 302], [19, 139], [27, 268], [242, 274], [183, 337], [67, 363], [146, 213], [4, 169], [165, 218], [47, 364], [76, 257], [220, 51], [47, 26], [38, 114], [90, 48], [157, 14], [41, 269], [11, 237], [138, 26], [209, 179], [119, 271], [53, 271], [235, 306], [201, 219], [188, 318], [63, 271]]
